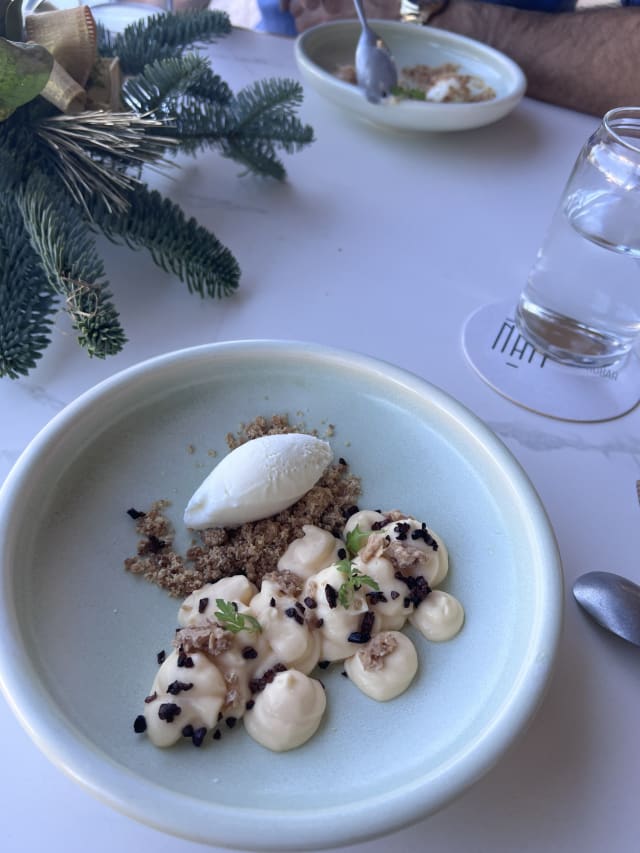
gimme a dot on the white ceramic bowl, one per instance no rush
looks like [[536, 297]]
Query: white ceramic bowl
[[321, 50], [79, 635]]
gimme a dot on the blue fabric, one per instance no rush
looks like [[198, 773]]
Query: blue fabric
[[274, 20], [538, 5]]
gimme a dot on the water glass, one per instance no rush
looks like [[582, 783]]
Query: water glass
[[581, 302]]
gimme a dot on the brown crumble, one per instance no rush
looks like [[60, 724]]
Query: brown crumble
[[191, 449], [372, 657], [253, 549]]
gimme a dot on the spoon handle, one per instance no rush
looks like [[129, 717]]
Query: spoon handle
[[361, 14]]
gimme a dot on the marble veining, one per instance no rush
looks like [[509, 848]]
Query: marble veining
[[540, 440]]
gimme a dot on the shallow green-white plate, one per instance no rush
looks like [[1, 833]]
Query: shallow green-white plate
[[321, 50], [79, 635]]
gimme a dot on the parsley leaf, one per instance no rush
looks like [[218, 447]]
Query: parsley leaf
[[355, 540], [353, 581], [229, 618]]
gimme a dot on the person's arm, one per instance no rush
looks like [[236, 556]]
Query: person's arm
[[585, 60]]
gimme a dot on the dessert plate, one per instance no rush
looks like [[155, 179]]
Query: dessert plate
[[321, 50], [79, 635]]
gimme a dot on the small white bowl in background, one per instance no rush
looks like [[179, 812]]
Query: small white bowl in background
[[321, 50]]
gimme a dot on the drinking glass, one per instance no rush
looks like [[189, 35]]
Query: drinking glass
[[581, 302]]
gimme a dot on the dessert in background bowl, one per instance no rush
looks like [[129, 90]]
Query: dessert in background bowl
[[79, 635], [321, 52]]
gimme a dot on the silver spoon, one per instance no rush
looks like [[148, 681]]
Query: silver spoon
[[612, 601], [375, 67]]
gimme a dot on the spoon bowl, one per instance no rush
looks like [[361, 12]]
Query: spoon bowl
[[612, 601], [376, 69]]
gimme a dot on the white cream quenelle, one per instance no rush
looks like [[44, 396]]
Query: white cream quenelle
[[258, 479], [244, 652]]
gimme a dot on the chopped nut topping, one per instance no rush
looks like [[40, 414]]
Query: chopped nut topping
[[382, 645]]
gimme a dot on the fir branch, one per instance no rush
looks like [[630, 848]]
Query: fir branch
[[177, 244], [91, 152], [161, 37], [26, 300], [19, 149], [257, 156], [71, 263], [267, 102], [155, 89], [249, 128]]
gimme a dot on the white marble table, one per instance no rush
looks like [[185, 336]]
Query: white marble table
[[460, 223]]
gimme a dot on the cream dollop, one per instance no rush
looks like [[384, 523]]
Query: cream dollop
[[314, 550], [287, 712], [385, 667], [258, 479], [182, 697], [440, 616]]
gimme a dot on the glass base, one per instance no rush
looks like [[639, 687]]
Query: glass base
[[510, 363], [567, 340]]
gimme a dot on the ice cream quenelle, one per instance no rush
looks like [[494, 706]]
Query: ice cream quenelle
[[258, 479], [244, 652]]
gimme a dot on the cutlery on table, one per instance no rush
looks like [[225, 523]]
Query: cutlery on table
[[376, 70]]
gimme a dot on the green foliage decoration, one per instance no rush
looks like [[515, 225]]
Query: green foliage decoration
[[64, 179]]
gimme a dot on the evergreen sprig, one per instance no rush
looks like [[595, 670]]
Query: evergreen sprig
[[177, 244], [161, 37], [66, 247], [65, 178], [27, 302], [159, 86]]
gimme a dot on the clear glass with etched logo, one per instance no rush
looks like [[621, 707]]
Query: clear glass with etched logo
[[581, 302]]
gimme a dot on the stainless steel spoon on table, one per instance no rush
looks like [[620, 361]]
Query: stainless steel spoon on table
[[376, 70], [612, 601]]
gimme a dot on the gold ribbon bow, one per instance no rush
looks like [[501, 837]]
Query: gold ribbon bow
[[70, 36]]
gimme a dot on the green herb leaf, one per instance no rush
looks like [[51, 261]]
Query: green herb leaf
[[228, 616], [409, 93], [353, 581], [355, 540]]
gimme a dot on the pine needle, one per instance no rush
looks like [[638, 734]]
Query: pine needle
[[27, 302], [93, 150], [67, 251]]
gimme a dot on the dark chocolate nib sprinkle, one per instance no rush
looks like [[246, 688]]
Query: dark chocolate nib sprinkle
[[202, 605], [331, 595], [366, 625], [139, 724], [135, 514], [160, 657], [168, 711], [198, 736], [178, 686]]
